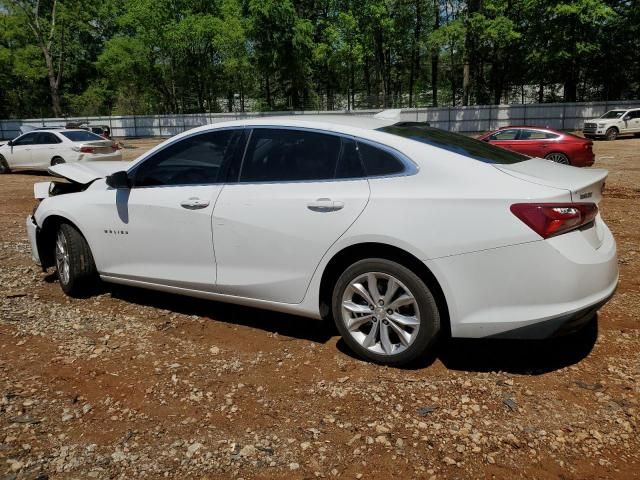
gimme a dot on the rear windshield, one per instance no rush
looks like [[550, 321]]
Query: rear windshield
[[81, 136], [454, 142]]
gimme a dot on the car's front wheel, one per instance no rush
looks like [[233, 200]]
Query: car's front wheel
[[612, 133], [4, 165], [384, 312], [74, 262]]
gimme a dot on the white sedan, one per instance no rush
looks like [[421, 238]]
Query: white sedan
[[399, 232], [41, 149]]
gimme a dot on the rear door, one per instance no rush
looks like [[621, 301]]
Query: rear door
[[44, 149], [298, 192], [535, 143]]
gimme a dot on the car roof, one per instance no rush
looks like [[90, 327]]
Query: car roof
[[344, 120], [530, 127]]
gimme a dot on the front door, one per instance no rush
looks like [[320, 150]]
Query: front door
[[159, 231], [633, 123], [20, 151], [298, 192], [504, 138]]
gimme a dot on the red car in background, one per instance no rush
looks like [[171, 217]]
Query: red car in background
[[546, 143]]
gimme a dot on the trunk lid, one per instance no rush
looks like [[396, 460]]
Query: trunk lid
[[84, 173], [584, 184], [99, 146]]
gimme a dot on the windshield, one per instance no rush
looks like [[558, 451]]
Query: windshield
[[613, 114], [81, 136], [454, 142]]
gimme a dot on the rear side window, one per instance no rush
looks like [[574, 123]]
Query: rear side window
[[280, 155], [456, 143], [536, 135], [195, 160], [349, 164], [378, 162], [81, 136], [46, 138]]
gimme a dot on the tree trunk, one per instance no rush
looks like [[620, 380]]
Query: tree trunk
[[469, 52], [541, 92], [435, 57], [415, 53]]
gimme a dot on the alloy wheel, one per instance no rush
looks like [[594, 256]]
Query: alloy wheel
[[380, 313], [62, 258], [558, 158]]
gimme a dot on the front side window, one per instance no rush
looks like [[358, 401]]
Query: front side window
[[505, 135], [613, 114], [195, 160], [81, 136], [27, 139], [281, 155]]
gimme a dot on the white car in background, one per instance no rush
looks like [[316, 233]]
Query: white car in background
[[399, 231], [613, 124], [41, 149]]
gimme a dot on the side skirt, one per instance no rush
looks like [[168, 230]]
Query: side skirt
[[293, 309]]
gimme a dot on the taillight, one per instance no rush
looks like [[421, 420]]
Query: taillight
[[551, 219], [87, 149], [115, 147]]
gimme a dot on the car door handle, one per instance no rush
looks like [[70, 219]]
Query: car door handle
[[325, 205], [194, 203]]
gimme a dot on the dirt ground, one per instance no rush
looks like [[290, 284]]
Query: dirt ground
[[135, 384]]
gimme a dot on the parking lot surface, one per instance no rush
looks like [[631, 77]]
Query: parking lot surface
[[137, 384]]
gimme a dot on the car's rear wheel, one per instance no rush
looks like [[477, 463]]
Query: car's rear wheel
[[558, 158], [612, 133], [385, 312], [4, 165], [57, 161], [74, 262]]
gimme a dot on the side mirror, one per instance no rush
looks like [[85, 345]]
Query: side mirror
[[10, 143], [118, 180]]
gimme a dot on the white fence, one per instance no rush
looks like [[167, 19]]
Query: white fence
[[562, 116]]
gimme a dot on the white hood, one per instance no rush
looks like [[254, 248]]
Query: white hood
[[87, 172]]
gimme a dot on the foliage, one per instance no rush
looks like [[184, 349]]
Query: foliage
[[62, 57]]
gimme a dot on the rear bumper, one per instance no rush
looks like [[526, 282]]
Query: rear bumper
[[32, 233], [555, 327], [100, 157], [532, 290]]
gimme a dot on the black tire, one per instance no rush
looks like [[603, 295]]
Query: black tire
[[429, 316], [4, 166], [612, 133], [558, 158], [81, 277], [57, 161]]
